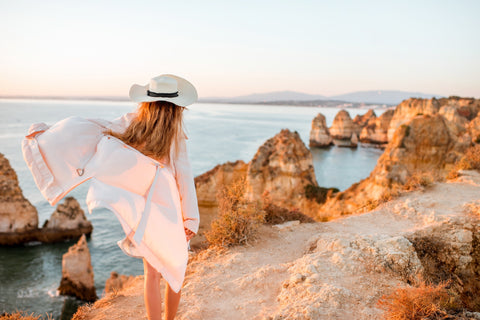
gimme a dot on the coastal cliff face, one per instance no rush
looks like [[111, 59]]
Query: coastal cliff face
[[211, 182], [77, 272], [458, 111], [344, 130], [376, 130], [283, 167], [422, 146], [17, 214], [319, 134]]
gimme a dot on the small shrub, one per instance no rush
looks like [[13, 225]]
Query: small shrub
[[238, 219], [469, 161], [276, 215], [319, 194], [425, 301], [419, 180], [21, 315]]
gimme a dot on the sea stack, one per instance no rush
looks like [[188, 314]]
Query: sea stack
[[77, 272], [18, 217], [319, 135], [68, 221], [344, 130]]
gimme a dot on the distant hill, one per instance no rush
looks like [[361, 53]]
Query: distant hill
[[381, 96], [390, 97], [271, 96]]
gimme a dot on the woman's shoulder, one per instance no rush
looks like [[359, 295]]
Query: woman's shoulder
[[121, 123]]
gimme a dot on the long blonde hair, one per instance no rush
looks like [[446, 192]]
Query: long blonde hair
[[157, 125]]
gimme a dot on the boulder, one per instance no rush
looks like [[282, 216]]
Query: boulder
[[117, 282], [211, 182], [17, 214], [319, 135], [283, 167], [77, 272], [449, 252], [376, 130], [344, 130]]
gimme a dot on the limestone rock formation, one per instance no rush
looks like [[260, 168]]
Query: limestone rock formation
[[117, 282], [344, 130], [409, 109], [457, 110], [473, 129], [68, 221], [17, 214], [375, 131], [319, 134], [449, 252], [77, 272], [211, 182], [283, 167], [424, 145], [362, 120]]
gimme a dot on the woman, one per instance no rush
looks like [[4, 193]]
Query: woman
[[138, 168], [156, 130]]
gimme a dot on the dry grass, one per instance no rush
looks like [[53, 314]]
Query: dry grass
[[238, 219], [469, 161], [82, 312], [419, 180], [22, 315], [424, 301]]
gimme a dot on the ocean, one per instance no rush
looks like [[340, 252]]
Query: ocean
[[30, 274]]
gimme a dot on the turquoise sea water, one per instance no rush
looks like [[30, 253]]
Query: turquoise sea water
[[29, 275]]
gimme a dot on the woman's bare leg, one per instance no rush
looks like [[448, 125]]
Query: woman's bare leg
[[172, 300], [151, 292]]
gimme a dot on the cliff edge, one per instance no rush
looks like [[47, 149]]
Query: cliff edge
[[330, 270]]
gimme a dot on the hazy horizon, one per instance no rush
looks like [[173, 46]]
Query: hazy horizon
[[229, 49]]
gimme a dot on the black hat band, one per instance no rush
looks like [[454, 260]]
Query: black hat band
[[162, 95]]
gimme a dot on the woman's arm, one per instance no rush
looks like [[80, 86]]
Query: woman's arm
[[186, 188]]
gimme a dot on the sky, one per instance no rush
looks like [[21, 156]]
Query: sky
[[231, 48]]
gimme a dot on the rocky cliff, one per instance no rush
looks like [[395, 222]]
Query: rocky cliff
[[319, 134], [19, 218], [333, 270], [17, 214], [211, 182], [455, 109], [376, 130], [422, 146], [283, 167]]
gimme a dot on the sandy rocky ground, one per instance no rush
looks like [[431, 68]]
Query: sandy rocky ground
[[330, 270]]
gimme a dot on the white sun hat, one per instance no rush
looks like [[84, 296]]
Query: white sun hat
[[166, 87]]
